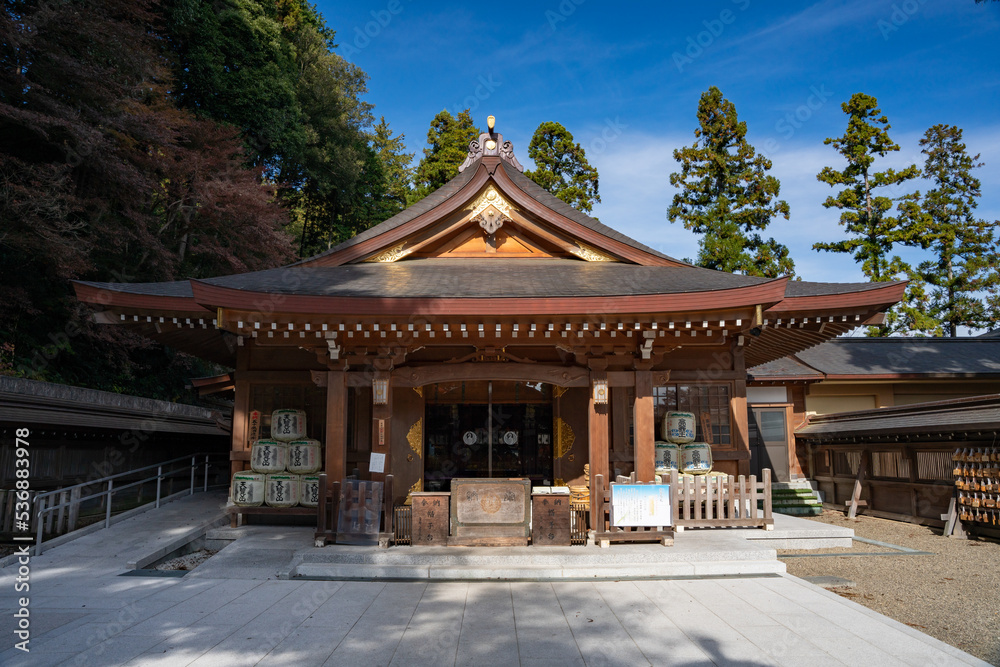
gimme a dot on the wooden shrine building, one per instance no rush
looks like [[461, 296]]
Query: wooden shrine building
[[491, 330]]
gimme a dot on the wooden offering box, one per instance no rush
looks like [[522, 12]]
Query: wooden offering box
[[490, 512], [430, 519], [550, 517]]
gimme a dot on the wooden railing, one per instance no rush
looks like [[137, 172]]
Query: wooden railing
[[721, 502], [695, 502]]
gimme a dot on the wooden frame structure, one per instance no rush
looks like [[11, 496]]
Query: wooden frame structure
[[491, 278]]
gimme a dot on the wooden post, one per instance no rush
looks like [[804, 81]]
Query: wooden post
[[767, 493], [241, 408], [382, 424], [738, 403], [852, 510], [335, 465], [74, 509], [645, 427], [598, 446]]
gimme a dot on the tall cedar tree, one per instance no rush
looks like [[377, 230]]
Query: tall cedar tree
[[864, 213], [448, 139], [727, 195], [102, 178], [395, 165], [561, 167], [951, 289]]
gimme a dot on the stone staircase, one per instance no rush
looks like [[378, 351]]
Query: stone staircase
[[797, 498]]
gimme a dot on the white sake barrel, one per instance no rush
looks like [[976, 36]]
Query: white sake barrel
[[679, 427], [667, 457], [268, 456], [697, 458], [248, 489], [304, 456], [288, 425], [281, 490], [309, 491]]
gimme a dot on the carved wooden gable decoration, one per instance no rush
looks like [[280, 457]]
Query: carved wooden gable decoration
[[491, 211]]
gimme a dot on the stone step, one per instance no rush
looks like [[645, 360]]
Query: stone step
[[812, 510], [793, 492], [617, 571], [796, 503]]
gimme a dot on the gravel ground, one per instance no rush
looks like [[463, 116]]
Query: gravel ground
[[953, 594], [188, 562]]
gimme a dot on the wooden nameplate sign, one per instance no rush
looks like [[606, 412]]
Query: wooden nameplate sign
[[490, 512]]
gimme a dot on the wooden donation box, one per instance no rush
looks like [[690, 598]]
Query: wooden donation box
[[550, 516], [430, 519], [490, 512]]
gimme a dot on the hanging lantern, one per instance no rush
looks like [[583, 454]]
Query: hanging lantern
[[380, 391], [601, 391]]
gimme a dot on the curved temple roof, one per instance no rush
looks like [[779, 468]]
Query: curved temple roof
[[571, 265]]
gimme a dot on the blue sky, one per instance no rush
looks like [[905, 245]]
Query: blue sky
[[625, 80]]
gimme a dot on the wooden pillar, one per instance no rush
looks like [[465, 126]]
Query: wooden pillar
[[240, 448], [336, 426], [644, 427], [598, 441], [738, 406], [382, 427]]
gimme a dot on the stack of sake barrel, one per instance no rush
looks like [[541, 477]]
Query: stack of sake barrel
[[283, 468], [679, 451]]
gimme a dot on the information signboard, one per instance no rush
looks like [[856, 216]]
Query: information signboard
[[640, 505]]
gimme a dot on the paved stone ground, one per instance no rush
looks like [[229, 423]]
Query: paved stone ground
[[83, 613]]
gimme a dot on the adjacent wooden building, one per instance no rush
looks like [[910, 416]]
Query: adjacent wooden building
[[491, 330]]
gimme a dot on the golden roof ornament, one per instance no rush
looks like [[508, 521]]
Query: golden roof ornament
[[491, 143]]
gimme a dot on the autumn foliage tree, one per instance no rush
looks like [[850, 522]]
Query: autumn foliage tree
[[727, 196], [103, 178]]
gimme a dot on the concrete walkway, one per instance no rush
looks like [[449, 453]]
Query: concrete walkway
[[83, 613]]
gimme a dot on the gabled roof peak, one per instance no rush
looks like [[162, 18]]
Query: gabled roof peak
[[491, 143]]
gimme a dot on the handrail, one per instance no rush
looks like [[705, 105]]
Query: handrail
[[111, 489]]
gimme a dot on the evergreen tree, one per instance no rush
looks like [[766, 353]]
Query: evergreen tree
[[561, 167], [955, 283], [727, 195], [864, 214], [396, 167], [449, 139]]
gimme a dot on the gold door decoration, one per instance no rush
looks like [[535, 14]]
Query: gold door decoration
[[564, 438], [420, 391], [417, 487], [558, 391], [415, 437]]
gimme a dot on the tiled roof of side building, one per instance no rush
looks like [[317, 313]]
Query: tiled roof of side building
[[476, 278], [897, 356], [784, 369], [975, 413]]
